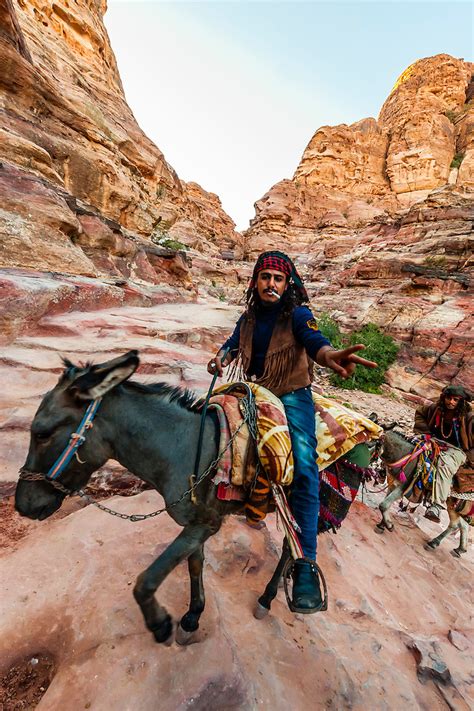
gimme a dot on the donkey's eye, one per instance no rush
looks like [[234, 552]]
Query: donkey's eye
[[42, 436]]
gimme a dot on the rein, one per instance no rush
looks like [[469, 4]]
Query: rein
[[36, 476], [203, 419]]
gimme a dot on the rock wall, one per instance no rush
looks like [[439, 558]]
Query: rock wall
[[326, 160], [412, 276], [424, 116], [380, 217], [66, 130], [422, 140]]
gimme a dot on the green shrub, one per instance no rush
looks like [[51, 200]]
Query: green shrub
[[330, 328], [378, 347], [451, 115], [457, 160], [435, 261], [169, 243]]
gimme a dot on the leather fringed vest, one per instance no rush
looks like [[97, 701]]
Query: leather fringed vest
[[287, 366]]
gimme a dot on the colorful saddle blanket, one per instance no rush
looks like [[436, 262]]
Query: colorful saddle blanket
[[338, 431], [463, 493], [339, 484]]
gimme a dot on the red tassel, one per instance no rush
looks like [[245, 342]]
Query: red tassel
[[402, 477]]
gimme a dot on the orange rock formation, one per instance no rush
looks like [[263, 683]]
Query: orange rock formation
[[380, 216], [378, 213], [75, 145]]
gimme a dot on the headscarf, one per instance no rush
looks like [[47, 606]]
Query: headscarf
[[281, 262], [457, 391]]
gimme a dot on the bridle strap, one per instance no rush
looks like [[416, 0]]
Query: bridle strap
[[76, 439]]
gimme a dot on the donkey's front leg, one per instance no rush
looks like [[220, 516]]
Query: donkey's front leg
[[190, 621], [434, 543], [156, 617], [386, 522]]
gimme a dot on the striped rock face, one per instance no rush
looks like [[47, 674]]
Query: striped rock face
[[69, 131]]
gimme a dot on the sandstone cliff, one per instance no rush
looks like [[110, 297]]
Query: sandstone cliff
[[82, 190], [380, 215], [348, 175], [70, 146]]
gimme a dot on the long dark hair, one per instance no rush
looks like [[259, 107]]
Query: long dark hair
[[290, 299], [461, 409]]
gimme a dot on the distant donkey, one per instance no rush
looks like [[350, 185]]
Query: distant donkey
[[395, 447]]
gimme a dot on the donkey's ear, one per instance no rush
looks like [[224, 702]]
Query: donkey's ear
[[99, 379]]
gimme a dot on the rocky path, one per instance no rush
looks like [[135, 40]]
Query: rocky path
[[399, 631]]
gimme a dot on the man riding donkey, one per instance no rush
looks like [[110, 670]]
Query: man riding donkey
[[275, 342], [450, 420]]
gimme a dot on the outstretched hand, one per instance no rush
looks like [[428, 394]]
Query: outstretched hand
[[344, 362]]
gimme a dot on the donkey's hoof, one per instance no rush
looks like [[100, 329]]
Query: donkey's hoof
[[183, 637], [163, 633], [430, 546], [260, 611], [384, 526], [456, 552]]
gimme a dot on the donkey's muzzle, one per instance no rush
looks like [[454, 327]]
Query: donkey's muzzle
[[35, 501]]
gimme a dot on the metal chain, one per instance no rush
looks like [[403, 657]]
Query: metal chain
[[250, 415], [34, 476]]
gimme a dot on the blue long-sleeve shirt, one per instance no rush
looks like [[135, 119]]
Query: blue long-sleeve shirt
[[305, 331]]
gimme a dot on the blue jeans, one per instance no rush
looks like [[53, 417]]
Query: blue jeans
[[304, 497]]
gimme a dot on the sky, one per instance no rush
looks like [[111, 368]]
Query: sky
[[232, 92]]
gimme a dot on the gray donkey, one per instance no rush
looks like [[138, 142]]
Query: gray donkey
[[396, 446], [153, 431]]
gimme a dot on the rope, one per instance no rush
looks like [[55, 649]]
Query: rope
[[250, 415], [290, 526]]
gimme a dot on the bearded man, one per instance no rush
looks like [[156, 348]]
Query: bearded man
[[274, 343], [450, 420]]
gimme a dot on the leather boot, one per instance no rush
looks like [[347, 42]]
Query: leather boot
[[307, 596]]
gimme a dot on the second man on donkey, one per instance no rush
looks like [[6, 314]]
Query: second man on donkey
[[450, 420], [275, 342]]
